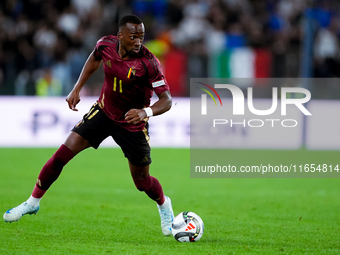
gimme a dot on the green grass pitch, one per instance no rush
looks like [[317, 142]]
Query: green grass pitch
[[94, 208]]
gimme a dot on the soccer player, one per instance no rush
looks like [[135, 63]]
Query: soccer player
[[132, 74]]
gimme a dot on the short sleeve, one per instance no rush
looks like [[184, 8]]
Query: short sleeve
[[96, 53], [156, 76], [101, 44]]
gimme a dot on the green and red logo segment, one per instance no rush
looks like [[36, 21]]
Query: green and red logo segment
[[209, 93]]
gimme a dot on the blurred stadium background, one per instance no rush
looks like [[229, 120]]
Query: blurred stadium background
[[44, 43]]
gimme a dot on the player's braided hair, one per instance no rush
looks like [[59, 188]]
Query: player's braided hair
[[131, 18]]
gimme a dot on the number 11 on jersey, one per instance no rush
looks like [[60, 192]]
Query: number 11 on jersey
[[115, 85]]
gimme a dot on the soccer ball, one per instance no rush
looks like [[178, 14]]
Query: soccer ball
[[187, 227]]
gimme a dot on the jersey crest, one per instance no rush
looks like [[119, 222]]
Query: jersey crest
[[131, 72]]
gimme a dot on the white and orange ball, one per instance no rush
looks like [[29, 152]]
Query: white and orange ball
[[187, 227]]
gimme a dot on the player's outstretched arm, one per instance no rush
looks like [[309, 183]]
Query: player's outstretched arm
[[92, 64], [163, 104], [134, 116]]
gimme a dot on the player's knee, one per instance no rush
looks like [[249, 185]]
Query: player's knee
[[140, 189], [144, 184], [58, 159], [61, 157]]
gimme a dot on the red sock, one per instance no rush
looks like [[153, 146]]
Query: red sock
[[37, 192], [152, 188], [51, 170]]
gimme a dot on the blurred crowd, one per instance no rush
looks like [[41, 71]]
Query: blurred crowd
[[44, 44]]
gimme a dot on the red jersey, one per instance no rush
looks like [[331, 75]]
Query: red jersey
[[129, 83]]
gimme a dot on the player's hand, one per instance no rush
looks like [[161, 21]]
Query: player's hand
[[135, 116], [73, 99]]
